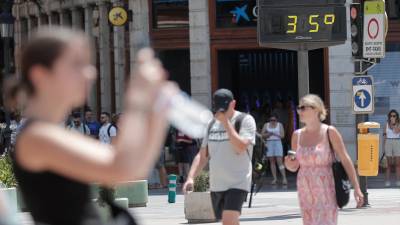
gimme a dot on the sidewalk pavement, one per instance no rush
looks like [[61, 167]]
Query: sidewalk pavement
[[275, 205]]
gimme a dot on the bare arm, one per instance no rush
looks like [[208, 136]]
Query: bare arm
[[340, 150], [264, 132], [240, 144], [199, 162], [292, 165], [46, 147], [281, 130]]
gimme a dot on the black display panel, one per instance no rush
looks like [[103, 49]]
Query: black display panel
[[287, 24]]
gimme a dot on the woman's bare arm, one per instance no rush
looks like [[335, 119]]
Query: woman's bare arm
[[46, 147], [340, 150], [292, 165]]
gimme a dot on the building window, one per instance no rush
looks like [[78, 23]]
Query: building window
[[236, 13], [393, 9], [170, 14]]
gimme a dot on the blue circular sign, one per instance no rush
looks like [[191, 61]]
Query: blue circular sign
[[362, 98]]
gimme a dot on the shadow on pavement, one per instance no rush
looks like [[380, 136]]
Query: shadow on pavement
[[272, 218]]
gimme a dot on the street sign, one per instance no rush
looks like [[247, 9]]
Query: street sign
[[363, 95], [374, 29], [118, 16]]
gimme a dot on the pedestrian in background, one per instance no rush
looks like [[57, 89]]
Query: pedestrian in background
[[184, 150], [77, 125], [92, 123], [108, 131], [314, 158], [391, 142], [273, 132]]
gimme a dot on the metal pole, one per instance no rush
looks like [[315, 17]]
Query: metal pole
[[359, 119], [303, 73], [362, 179]]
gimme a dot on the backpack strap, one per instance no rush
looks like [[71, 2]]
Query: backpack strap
[[84, 128], [109, 129], [238, 125], [239, 121], [208, 133]]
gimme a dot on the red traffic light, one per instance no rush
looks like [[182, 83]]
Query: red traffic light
[[353, 13]]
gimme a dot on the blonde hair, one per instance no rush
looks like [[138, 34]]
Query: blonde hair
[[316, 102]]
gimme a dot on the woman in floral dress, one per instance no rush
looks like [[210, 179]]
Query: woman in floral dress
[[315, 182]]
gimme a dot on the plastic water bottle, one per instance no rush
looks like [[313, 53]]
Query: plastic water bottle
[[172, 188], [186, 115]]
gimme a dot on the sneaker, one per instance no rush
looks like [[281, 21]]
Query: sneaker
[[387, 184], [273, 182], [284, 182]]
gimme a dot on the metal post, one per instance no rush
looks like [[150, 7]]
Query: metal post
[[303, 73], [362, 179]]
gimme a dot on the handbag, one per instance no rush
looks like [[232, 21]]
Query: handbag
[[342, 183], [383, 163]]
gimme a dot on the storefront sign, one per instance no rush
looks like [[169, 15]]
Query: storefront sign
[[236, 13], [118, 16]]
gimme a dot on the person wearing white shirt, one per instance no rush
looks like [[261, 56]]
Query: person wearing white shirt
[[78, 126], [108, 131]]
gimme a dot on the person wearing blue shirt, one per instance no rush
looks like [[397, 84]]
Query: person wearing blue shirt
[[94, 126]]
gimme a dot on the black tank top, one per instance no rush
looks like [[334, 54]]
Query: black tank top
[[56, 200]]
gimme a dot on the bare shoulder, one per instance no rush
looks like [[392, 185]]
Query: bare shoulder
[[42, 142], [333, 131]]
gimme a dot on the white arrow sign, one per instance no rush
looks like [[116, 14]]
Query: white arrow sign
[[362, 98]]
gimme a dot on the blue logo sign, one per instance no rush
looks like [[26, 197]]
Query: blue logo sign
[[362, 98], [239, 12]]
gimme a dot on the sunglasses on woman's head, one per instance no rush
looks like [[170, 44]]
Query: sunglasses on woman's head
[[304, 107]]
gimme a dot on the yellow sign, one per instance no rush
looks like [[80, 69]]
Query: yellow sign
[[118, 16], [368, 154], [374, 7]]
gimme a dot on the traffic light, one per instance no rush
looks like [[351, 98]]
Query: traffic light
[[356, 18]]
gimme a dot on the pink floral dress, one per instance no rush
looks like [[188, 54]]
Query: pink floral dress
[[315, 184]]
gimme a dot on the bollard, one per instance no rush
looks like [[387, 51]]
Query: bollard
[[172, 188], [368, 155]]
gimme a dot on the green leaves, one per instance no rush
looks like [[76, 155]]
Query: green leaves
[[201, 182], [7, 177]]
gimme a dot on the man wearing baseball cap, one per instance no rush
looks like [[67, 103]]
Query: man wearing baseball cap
[[228, 147]]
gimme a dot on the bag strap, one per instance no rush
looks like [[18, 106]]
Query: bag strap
[[238, 125], [382, 157], [330, 143], [109, 129], [208, 133], [298, 139]]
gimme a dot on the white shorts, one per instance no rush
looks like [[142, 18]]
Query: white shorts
[[392, 147], [274, 148]]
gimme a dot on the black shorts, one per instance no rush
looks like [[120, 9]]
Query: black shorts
[[231, 199], [183, 153]]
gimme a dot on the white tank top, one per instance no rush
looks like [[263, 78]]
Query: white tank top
[[275, 130], [390, 134]]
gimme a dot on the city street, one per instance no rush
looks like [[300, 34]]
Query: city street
[[274, 206], [281, 207]]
